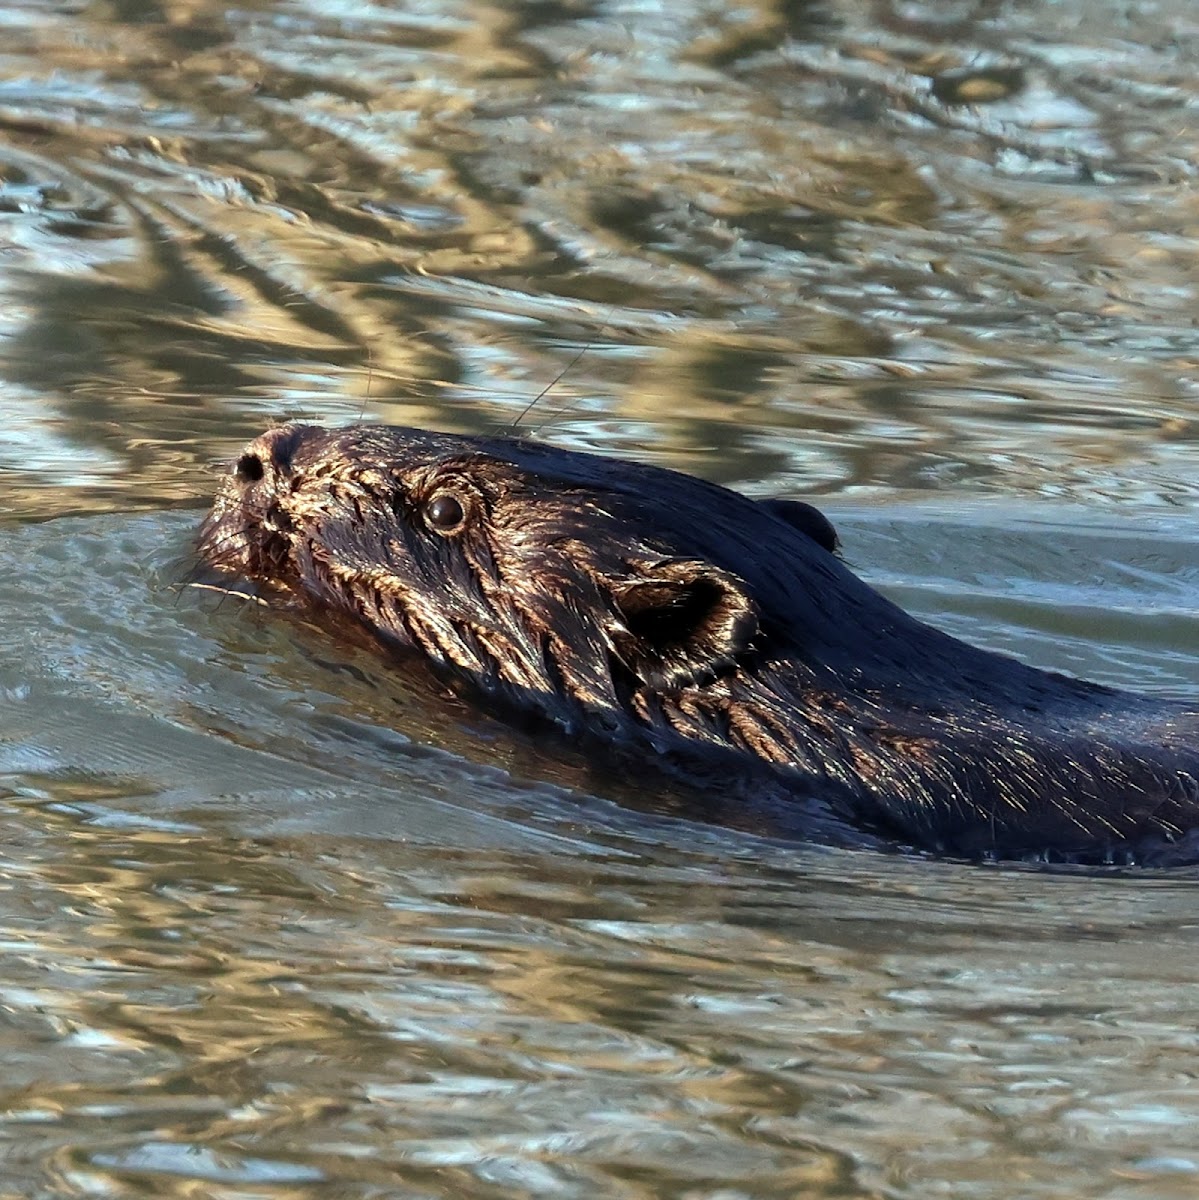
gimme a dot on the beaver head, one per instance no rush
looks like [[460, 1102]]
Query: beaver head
[[641, 604], [560, 574]]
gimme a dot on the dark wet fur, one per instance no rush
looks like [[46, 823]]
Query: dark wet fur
[[717, 638]]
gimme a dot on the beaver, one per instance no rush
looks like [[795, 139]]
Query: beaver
[[706, 634]]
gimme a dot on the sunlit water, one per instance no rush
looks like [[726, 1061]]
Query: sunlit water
[[274, 921]]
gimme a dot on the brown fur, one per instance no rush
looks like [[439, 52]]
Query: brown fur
[[681, 623]]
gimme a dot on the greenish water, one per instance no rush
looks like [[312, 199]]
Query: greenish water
[[275, 921]]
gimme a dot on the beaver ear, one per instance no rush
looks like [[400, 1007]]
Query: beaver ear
[[807, 520], [683, 620]]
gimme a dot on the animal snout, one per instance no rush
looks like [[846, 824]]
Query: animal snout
[[269, 456]]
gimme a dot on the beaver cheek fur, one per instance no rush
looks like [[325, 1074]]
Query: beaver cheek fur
[[643, 608], [548, 622]]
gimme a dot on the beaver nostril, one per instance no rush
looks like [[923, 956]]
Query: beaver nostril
[[249, 468]]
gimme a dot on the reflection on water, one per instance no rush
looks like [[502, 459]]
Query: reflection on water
[[880, 247], [275, 924]]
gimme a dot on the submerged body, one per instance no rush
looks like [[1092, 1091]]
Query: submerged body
[[717, 637]]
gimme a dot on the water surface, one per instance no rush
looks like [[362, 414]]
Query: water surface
[[275, 921]]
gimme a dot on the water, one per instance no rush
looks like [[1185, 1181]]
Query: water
[[277, 922]]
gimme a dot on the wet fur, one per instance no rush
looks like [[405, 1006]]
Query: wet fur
[[718, 637]]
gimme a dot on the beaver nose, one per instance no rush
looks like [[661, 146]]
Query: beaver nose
[[270, 454]]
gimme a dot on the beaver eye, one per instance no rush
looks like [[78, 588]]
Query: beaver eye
[[445, 513]]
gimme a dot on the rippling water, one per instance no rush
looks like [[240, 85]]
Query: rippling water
[[274, 922]]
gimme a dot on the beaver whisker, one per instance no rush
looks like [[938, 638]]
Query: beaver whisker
[[716, 637], [226, 591]]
